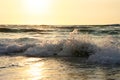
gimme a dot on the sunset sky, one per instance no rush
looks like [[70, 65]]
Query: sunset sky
[[60, 12]]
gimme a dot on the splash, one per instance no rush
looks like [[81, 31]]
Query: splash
[[98, 50]]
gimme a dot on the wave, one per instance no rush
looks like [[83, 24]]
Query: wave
[[8, 30], [95, 30], [97, 50]]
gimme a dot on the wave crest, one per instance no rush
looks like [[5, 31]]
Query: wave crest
[[98, 50]]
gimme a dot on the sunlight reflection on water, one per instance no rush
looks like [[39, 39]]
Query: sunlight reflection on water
[[36, 71], [55, 69]]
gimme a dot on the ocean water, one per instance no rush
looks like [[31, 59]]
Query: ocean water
[[50, 52]]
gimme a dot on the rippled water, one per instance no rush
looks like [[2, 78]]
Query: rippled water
[[54, 68]]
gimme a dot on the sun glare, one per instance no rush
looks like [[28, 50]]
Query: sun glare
[[38, 6]]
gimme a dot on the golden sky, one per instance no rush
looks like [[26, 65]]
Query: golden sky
[[57, 12]]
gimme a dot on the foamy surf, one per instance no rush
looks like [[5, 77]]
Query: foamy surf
[[97, 50]]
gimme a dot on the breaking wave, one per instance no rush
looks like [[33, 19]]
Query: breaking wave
[[98, 50]]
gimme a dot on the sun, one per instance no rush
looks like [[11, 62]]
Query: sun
[[38, 6]]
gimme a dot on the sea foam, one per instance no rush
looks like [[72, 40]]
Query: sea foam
[[104, 50]]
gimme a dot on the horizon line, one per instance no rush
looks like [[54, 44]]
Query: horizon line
[[61, 24]]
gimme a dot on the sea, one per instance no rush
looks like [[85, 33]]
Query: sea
[[60, 52]]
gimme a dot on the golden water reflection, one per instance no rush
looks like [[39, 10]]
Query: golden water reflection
[[35, 71], [56, 69]]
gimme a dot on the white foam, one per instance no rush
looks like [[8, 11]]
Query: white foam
[[106, 56], [108, 53], [101, 50]]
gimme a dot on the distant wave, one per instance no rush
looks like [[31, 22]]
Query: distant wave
[[112, 32], [10, 30], [96, 30]]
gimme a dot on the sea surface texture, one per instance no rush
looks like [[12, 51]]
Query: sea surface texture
[[57, 52]]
